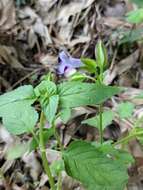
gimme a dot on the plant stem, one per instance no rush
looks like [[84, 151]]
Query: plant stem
[[59, 184], [128, 138], [91, 78], [43, 153], [101, 123], [35, 137]]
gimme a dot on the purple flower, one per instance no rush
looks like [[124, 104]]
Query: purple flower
[[47, 125], [67, 64]]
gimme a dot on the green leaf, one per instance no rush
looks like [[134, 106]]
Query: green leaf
[[107, 118], [75, 94], [135, 17], [17, 114], [45, 89], [90, 64], [17, 151], [132, 36], [101, 54], [97, 167], [18, 117], [125, 109], [49, 100], [51, 109], [23, 93], [136, 132], [65, 114], [138, 2], [78, 77]]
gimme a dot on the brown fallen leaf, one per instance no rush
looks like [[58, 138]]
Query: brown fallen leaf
[[70, 184], [8, 15], [8, 55], [118, 68], [32, 162], [34, 27], [113, 22]]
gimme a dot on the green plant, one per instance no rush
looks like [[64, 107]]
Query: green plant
[[98, 165], [134, 17], [138, 2]]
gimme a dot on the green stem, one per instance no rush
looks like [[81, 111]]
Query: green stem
[[128, 138], [59, 184], [91, 78], [43, 153], [101, 123], [35, 137]]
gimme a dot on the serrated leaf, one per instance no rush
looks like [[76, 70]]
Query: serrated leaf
[[23, 93], [135, 16], [51, 108], [18, 117], [97, 167], [75, 94], [125, 109], [107, 118]]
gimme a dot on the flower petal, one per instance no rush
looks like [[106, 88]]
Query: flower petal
[[61, 68], [76, 63], [64, 58], [67, 62]]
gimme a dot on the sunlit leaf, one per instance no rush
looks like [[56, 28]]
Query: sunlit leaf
[[90, 64], [97, 167], [135, 17], [51, 108], [101, 54], [23, 93], [18, 117], [75, 94]]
